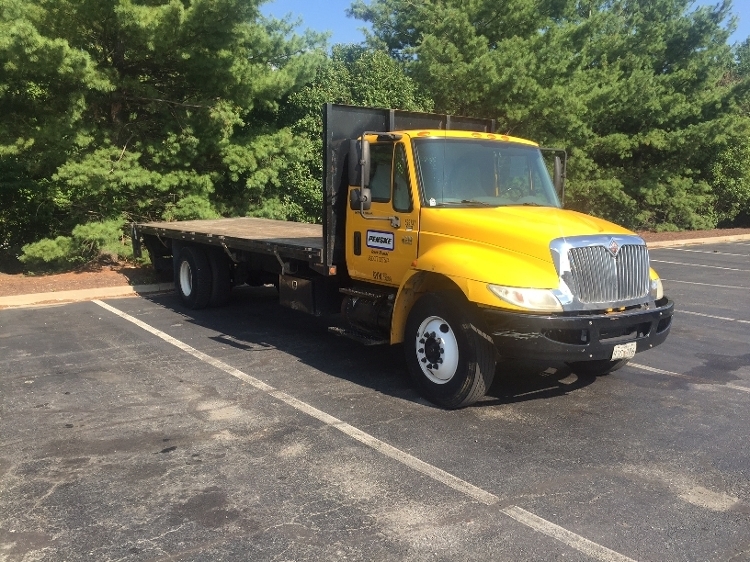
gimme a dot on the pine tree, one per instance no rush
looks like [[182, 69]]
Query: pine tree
[[637, 91], [352, 75], [141, 109]]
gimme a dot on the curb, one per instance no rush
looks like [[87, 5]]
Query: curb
[[60, 297]]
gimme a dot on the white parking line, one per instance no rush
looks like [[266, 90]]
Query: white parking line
[[700, 265], [524, 517], [712, 316], [688, 377], [563, 535], [706, 284], [712, 252]]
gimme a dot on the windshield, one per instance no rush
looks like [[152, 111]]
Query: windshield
[[473, 172]]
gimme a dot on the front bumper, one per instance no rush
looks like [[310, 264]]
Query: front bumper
[[577, 338]]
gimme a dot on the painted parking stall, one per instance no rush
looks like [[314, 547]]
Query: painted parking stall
[[232, 434]]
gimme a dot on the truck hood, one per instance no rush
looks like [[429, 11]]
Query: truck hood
[[519, 229]]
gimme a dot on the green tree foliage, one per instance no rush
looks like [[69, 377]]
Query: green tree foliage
[[135, 109], [178, 109], [731, 182], [637, 91], [731, 167], [351, 75], [87, 242], [743, 59]]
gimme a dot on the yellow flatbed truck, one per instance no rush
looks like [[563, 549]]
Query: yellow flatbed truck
[[443, 235]]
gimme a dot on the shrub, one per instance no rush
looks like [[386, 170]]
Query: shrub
[[87, 243]]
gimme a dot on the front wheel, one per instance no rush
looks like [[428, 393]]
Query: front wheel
[[450, 358], [598, 367]]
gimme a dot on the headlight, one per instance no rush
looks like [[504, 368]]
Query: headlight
[[657, 289], [539, 300]]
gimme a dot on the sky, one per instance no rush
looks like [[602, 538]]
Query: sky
[[330, 15]]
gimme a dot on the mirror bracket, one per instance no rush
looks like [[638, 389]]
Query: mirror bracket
[[560, 170]]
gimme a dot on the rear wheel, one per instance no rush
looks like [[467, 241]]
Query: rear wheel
[[193, 281], [221, 277], [599, 367], [450, 358]]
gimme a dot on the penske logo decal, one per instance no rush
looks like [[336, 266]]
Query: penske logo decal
[[380, 240]]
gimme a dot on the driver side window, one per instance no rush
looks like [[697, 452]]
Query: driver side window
[[381, 164], [401, 191]]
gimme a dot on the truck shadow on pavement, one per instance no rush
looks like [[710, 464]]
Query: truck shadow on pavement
[[254, 322], [520, 381]]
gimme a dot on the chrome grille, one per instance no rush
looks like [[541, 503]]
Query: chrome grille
[[596, 276]]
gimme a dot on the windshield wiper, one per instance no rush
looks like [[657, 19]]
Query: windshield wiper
[[463, 203], [475, 202]]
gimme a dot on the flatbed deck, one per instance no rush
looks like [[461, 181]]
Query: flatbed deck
[[285, 238]]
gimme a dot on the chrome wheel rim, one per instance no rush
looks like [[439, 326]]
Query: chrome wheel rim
[[186, 278], [437, 349]]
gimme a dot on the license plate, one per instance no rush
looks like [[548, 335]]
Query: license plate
[[624, 351]]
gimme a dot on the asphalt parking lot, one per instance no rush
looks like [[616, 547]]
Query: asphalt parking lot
[[134, 429]]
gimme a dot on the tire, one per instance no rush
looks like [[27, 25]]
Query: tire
[[193, 277], [450, 358], [221, 278], [598, 367]]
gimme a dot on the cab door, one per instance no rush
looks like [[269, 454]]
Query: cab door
[[382, 245]]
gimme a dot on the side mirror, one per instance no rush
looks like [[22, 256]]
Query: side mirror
[[360, 199], [558, 179], [359, 163], [559, 169]]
